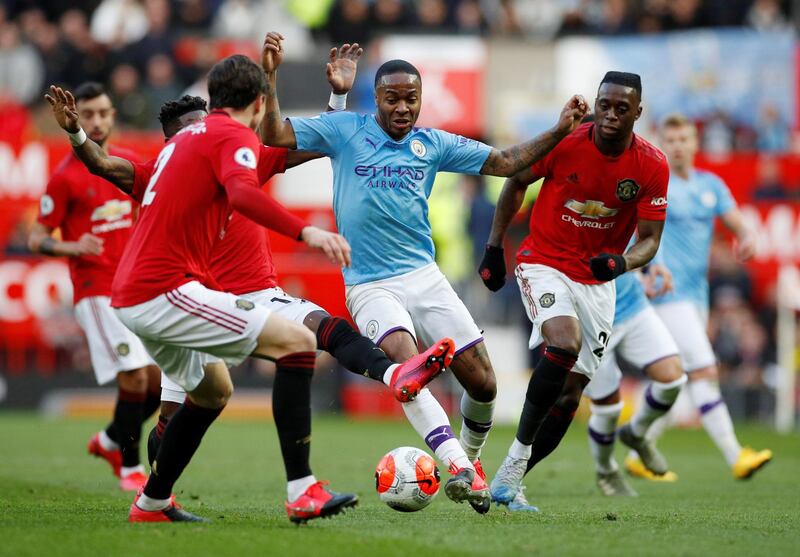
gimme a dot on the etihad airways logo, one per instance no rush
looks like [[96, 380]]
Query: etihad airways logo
[[589, 209], [391, 177]]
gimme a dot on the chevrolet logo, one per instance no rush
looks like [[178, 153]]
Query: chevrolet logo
[[590, 209], [112, 210]]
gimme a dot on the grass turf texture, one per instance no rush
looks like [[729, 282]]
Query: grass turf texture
[[57, 500]]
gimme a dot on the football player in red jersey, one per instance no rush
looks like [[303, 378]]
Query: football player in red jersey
[[96, 220], [242, 262], [601, 185]]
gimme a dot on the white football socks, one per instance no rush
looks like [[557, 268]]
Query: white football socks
[[430, 420], [519, 451], [296, 488], [658, 399], [147, 504], [602, 434], [716, 419], [126, 471], [476, 425], [106, 442], [387, 375]]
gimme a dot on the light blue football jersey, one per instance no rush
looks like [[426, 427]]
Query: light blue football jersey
[[686, 241], [631, 298], [381, 187]]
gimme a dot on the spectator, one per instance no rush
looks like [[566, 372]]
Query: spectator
[[348, 22], [432, 16], [159, 38], [161, 85], [117, 23], [772, 132], [684, 14], [766, 16], [470, 19], [770, 186], [194, 15], [614, 18], [391, 16], [718, 134], [85, 59], [21, 68], [128, 98]]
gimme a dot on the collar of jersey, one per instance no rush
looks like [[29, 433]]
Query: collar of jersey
[[374, 121]]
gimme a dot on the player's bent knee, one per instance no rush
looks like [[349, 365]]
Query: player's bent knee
[[666, 370], [134, 381], [709, 373]]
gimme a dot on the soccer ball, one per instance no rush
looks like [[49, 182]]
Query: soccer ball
[[407, 479]]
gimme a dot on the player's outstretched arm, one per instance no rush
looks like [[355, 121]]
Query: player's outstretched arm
[[515, 159], [492, 269], [116, 170], [341, 74], [275, 131], [745, 247], [247, 199], [41, 241]]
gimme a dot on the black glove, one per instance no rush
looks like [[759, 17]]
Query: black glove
[[493, 268], [607, 266]]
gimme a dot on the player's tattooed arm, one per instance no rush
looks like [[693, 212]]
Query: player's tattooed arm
[[508, 205], [116, 170], [646, 246], [41, 241], [515, 159], [275, 131]]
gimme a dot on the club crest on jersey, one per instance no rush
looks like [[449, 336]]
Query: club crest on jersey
[[627, 189], [418, 148], [123, 349], [547, 299], [246, 157], [590, 208], [372, 329], [246, 305]]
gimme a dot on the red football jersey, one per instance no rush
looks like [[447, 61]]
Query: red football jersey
[[240, 262], [590, 203], [185, 208], [79, 202]]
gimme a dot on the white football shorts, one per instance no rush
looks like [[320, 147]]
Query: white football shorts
[[192, 325], [687, 325], [274, 299], [421, 302], [548, 293], [641, 340], [113, 348]]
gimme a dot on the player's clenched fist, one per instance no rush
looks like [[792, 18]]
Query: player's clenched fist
[[493, 268], [607, 266], [272, 52], [89, 244], [333, 245]]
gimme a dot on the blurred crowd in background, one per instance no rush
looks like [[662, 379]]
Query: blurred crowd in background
[[151, 51]]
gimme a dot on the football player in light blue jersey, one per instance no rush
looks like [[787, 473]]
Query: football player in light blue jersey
[[640, 338], [383, 170], [696, 199]]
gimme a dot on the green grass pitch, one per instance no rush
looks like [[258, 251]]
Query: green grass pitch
[[55, 500]]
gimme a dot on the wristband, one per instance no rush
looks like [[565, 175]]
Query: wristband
[[338, 102], [48, 246], [78, 138]]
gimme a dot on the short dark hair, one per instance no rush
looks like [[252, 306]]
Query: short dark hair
[[626, 79], [395, 66], [235, 82], [88, 90], [172, 110]]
